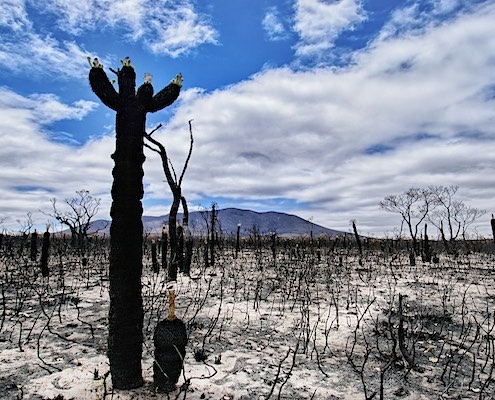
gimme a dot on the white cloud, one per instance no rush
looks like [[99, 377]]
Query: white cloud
[[34, 169], [417, 17], [47, 108], [178, 31], [13, 15], [273, 25], [445, 6], [319, 23], [23, 50], [132, 13], [44, 108], [165, 27], [29, 52], [405, 19]]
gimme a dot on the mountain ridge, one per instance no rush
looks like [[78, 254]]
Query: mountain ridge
[[265, 223]]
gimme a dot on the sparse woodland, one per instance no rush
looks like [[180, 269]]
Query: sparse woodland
[[270, 319]]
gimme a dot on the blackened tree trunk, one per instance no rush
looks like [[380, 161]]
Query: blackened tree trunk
[[164, 248], [492, 222], [188, 239], [154, 258], [45, 252], [34, 245], [174, 238], [358, 239], [180, 247], [125, 323], [237, 241], [212, 239], [426, 247]]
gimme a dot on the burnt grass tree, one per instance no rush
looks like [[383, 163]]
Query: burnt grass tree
[[125, 321]]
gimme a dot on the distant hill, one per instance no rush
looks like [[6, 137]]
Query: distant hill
[[265, 222]]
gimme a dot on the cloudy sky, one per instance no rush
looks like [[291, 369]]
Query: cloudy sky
[[318, 108]]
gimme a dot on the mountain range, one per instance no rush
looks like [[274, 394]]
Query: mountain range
[[284, 225]]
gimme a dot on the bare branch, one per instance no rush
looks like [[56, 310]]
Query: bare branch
[[154, 130], [189, 154], [172, 182], [151, 148]]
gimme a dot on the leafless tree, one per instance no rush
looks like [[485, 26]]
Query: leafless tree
[[438, 205], [452, 217], [175, 184], [413, 206], [467, 216], [444, 216], [77, 215], [27, 224]]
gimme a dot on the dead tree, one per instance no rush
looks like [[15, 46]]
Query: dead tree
[[125, 322], [175, 184], [413, 205], [77, 216]]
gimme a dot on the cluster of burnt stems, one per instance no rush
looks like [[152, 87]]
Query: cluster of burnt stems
[[170, 336]]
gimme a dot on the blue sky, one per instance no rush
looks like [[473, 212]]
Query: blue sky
[[318, 108]]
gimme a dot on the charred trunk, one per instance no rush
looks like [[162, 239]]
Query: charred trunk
[[173, 237], [126, 235], [126, 231]]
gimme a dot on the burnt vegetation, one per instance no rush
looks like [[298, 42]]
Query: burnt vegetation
[[358, 317]]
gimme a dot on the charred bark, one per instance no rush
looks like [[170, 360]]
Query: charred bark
[[125, 324]]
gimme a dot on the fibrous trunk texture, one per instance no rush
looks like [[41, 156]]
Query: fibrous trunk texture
[[125, 323], [170, 340]]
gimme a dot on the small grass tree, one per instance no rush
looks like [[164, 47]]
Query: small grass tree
[[125, 324]]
